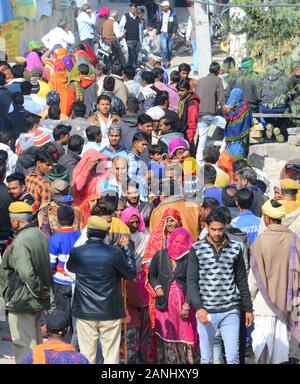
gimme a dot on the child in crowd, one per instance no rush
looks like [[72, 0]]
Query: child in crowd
[[94, 136], [156, 166]]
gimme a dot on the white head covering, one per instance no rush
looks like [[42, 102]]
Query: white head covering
[[156, 113]]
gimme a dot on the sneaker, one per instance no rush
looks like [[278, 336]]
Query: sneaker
[[279, 137]]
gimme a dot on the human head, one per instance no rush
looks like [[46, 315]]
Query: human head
[[6, 69], [65, 215], [133, 8], [228, 64], [155, 152], [20, 215], [166, 125], [114, 136], [139, 143], [165, 5], [238, 165], [76, 144], [183, 88], [52, 98], [132, 105], [18, 71], [211, 154], [145, 123], [245, 177], [97, 227], [147, 78], [289, 189], [6, 138], [158, 74], [104, 12], [277, 191], [83, 69], [35, 86], [129, 73], [114, 14], [133, 219], [43, 162], [57, 323], [244, 198], [54, 112], [37, 72], [247, 63], [273, 212], [17, 99], [141, 13], [86, 8], [109, 84], [156, 113], [63, 24], [208, 205], [26, 88], [79, 109], [32, 122], [184, 71], [117, 69], [106, 206], [216, 223], [154, 61], [132, 193], [214, 68], [178, 149], [101, 69], [162, 99], [104, 104], [175, 77], [119, 168], [16, 185], [93, 134], [210, 174], [122, 204], [61, 134]]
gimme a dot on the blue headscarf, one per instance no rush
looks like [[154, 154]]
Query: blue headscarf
[[235, 97]]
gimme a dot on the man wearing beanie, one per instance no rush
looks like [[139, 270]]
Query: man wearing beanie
[[25, 280], [274, 287], [60, 245], [98, 302]]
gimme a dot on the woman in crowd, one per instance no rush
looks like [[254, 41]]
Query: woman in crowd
[[175, 318], [239, 122], [59, 82], [159, 239], [139, 331]]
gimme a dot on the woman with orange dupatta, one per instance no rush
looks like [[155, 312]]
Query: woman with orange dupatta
[[170, 220], [89, 175], [225, 163], [59, 82]]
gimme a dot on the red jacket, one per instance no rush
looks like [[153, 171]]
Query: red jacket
[[190, 117]]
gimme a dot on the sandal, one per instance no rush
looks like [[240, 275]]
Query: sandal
[[279, 136]]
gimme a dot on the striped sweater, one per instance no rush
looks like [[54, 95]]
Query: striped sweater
[[60, 245], [214, 278]]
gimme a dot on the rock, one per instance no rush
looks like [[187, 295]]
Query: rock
[[294, 139], [254, 140], [279, 151], [293, 131]]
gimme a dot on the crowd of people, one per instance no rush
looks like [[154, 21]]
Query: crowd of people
[[125, 236]]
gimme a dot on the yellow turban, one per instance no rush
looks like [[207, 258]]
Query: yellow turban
[[19, 207], [289, 184], [190, 166], [273, 213], [98, 223]]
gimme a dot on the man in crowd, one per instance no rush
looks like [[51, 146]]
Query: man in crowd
[[86, 21], [61, 35]]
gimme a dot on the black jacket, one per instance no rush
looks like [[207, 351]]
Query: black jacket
[[128, 124], [161, 273], [5, 101], [69, 161], [16, 122], [99, 269], [5, 201]]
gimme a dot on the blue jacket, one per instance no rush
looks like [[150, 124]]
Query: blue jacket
[[172, 25], [99, 269], [249, 223]]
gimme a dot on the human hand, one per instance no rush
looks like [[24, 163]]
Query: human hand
[[159, 292], [173, 36], [124, 241], [185, 311], [202, 316], [249, 319], [92, 164]]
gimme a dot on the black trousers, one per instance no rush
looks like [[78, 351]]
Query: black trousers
[[62, 297], [133, 52]]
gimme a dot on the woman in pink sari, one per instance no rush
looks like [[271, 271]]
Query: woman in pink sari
[[138, 324], [89, 175], [33, 60], [175, 324]]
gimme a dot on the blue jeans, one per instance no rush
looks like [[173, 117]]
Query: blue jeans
[[133, 52], [228, 323], [166, 44], [195, 55], [218, 349]]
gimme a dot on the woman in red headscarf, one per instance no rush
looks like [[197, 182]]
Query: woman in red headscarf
[[175, 318], [170, 220]]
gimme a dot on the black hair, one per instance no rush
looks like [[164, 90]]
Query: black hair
[[216, 215], [61, 130], [211, 154], [229, 62], [109, 83], [92, 132], [169, 122], [228, 196], [130, 72], [105, 206], [244, 198], [210, 203], [102, 67], [289, 192], [17, 98], [122, 200], [261, 185], [18, 71], [76, 143], [2, 172], [132, 104], [210, 174], [133, 5], [239, 164], [183, 84], [139, 136], [103, 97], [42, 156], [54, 112], [2, 79], [155, 149], [5, 137], [148, 77], [83, 69], [79, 109], [26, 88], [175, 77], [144, 118], [158, 72], [214, 68], [31, 120], [97, 233], [184, 67], [17, 176], [275, 204], [226, 212], [117, 69], [161, 97], [68, 215], [3, 156], [248, 174]]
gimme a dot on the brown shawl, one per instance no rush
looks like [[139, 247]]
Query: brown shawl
[[275, 263]]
